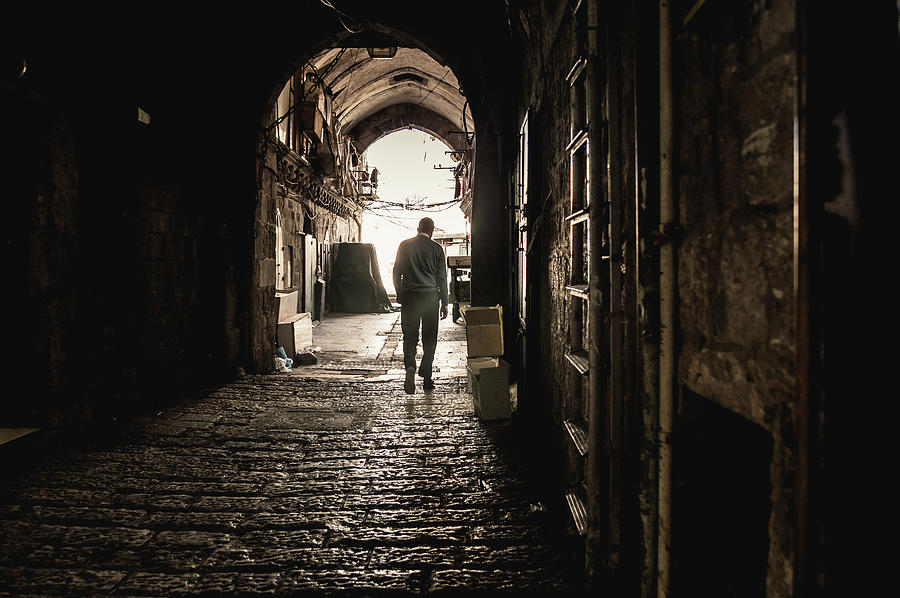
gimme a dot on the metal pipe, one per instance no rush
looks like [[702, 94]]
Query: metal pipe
[[616, 402], [666, 304], [597, 470]]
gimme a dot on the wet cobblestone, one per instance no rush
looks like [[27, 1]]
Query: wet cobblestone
[[288, 485]]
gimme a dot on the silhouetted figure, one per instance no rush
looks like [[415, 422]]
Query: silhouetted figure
[[420, 278]]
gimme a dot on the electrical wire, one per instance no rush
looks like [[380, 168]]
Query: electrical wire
[[447, 72], [406, 206], [395, 220], [341, 16], [320, 82], [381, 208]]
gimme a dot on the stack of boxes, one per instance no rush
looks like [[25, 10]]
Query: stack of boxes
[[294, 331], [488, 375]]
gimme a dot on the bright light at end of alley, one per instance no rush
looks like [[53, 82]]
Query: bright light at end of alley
[[409, 164]]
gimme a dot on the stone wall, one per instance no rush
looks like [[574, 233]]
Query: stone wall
[[299, 216], [168, 341], [735, 106], [546, 66], [69, 242], [44, 249], [734, 78]]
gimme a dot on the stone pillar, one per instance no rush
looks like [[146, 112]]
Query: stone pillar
[[490, 263]]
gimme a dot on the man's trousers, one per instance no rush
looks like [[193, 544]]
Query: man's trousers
[[419, 310]]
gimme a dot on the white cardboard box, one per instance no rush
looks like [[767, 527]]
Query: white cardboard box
[[489, 382], [474, 365], [484, 330], [286, 304], [295, 333]]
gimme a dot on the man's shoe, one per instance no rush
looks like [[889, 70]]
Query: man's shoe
[[428, 384], [410, 384]]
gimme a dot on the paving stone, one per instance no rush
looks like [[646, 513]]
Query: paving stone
[[289, 538], [185, 559], [350, 582], [203, 521], [438, 535], [184, 539], [106, 557], [132, 485], [229, 504], [157, 584], [169, 502], [308, 502], [215, 584], [539, 581], [205, 488], [392, 501], [127, 500], [76, 515], [416, 557], [511, 558], [437, 517], [12, 511], [436, 485], [252, 584], [322, 469], [102, 536], [499, 534], [179, 471], [62, 495], [405, 495], [59, 582], [280, 558], [260, 478]]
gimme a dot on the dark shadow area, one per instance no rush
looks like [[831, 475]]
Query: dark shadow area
[[721, 502]]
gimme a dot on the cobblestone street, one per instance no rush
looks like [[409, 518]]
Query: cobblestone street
[[325, 480]]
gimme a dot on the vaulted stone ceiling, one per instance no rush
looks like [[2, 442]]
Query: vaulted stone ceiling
[[376, 96]]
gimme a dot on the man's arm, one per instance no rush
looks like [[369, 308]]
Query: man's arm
[[398, 270], [442, 283]]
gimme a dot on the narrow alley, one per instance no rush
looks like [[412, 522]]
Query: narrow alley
[[328, 480], [679, 215]]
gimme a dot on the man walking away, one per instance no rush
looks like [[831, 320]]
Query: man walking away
[[420, 279]]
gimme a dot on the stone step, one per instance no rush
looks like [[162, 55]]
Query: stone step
[[17, 446], [10, 435]]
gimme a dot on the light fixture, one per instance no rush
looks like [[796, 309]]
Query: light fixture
[[387, 52]]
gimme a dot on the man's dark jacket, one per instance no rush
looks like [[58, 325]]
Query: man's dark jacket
[[420, 268]]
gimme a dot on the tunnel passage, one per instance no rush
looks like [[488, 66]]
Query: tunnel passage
[[315, 182]]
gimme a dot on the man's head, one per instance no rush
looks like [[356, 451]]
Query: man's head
[[426, 225]]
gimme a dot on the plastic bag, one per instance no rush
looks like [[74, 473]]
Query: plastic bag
[[280, 354]]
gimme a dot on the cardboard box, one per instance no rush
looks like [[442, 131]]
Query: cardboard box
[[484, 330], [490, 388], [286, 304], [295, 333], [474, 365]]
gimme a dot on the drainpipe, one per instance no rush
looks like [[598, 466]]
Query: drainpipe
[[597, 474], [666, 304], [615, 406]]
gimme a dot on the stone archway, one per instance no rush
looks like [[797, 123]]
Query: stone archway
[[358, 100]]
